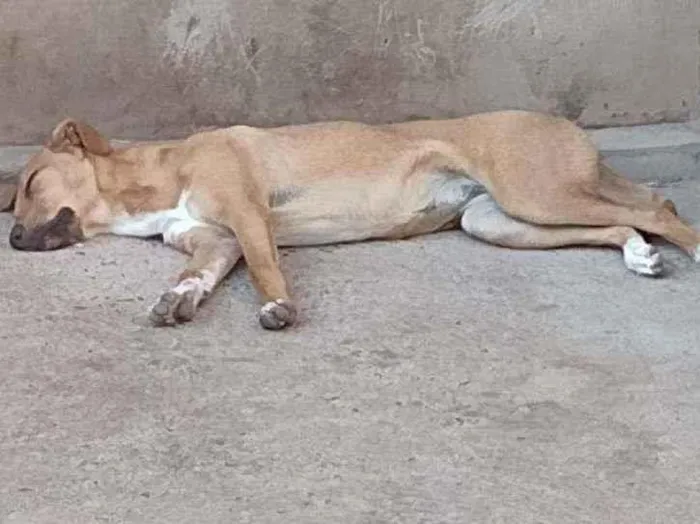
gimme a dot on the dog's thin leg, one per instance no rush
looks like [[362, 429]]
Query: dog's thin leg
[[214, 253], [483, 219], [583, 207], [593, 211], [242, 205], [254, 233]]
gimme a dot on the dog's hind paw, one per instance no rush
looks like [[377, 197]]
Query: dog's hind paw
[[278, 314], [173, 308], [642, 258]]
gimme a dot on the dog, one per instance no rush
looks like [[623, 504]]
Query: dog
[[516, 179]]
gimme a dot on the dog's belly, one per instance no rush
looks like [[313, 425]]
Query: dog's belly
[[351, 210]]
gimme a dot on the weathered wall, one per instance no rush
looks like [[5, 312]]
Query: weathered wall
[[167, 67]]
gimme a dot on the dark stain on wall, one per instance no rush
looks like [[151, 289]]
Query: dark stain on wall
[[572, 102]]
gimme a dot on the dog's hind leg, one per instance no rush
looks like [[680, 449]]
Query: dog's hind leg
[[213, 252], [568, 201], [483, 219], [587, 209]]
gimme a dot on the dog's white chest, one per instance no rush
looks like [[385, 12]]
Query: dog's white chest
[[154, 223]]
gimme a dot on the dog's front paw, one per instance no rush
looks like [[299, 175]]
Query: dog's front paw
[[278, 314], [173, 308], [179, 304]]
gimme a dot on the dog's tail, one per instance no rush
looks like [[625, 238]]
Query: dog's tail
[[617, 189]]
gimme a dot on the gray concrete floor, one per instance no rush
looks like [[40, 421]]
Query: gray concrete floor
[[437, 380]]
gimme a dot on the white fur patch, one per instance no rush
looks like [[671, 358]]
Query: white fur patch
[[269, 306], [208, 281], [200, 287], [194, 285], [168, 222], [696, 256], [642, 258]]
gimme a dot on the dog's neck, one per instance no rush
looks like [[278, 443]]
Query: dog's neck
[[135, 179]]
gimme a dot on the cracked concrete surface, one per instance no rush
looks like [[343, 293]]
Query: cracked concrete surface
[[437, 380]]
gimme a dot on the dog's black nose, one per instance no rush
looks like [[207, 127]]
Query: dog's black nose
[[17, 235]]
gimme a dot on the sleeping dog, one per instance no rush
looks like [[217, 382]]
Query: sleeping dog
[[512, 178]]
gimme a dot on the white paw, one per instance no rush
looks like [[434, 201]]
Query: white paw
[[696, 255], [642, 258]]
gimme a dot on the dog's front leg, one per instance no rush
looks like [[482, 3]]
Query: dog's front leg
[[254, 232], [214, 253], [231, 192]]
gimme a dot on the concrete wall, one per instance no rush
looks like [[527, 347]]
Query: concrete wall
[[163, 68]]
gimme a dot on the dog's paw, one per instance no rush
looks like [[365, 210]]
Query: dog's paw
[[642, 258], [278, 314], [179, 304], [173, 308]]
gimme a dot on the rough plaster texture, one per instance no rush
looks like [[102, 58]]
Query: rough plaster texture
[[438, 380], [164, 68]]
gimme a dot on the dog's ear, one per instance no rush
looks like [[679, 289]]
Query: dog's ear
[[8, 192], [74, 134]]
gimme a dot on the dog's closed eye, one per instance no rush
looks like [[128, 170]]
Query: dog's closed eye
[[28, 184]]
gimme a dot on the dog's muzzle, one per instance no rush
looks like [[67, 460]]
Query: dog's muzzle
[[63, 230]]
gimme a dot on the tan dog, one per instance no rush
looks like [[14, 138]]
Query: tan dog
[[512, 178]]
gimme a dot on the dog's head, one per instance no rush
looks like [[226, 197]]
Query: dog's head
[[57, 191]]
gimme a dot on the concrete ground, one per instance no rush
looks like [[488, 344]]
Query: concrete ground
[[437, 380]]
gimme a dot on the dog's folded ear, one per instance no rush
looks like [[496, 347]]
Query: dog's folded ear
[[71, 134], [7, 196]]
